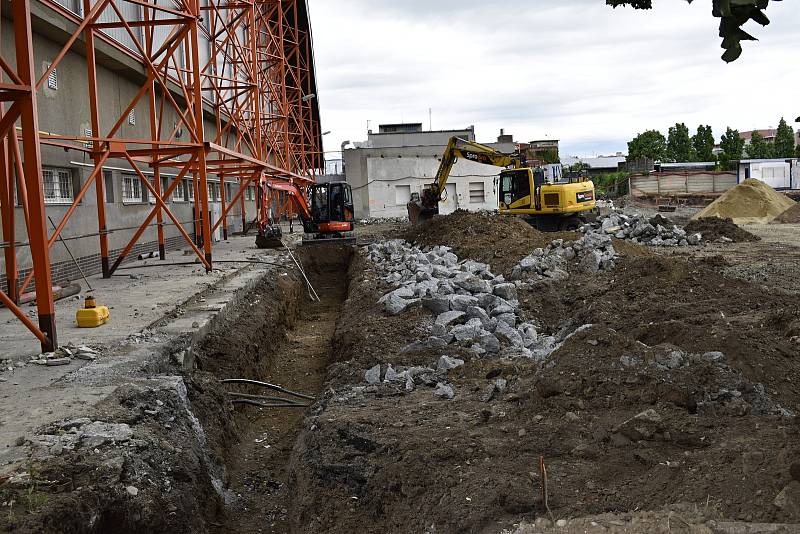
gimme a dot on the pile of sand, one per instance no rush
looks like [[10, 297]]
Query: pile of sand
[[751, 202], [790, 216]]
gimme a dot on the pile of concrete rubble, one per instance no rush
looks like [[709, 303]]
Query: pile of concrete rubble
[[591, 253], [655, 231], [474, 308]]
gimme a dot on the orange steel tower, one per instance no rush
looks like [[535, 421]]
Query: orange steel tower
[[237, 76]]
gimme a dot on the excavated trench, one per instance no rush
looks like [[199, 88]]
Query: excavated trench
[[285, 337]]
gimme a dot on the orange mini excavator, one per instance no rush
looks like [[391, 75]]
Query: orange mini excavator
[[327, 215]]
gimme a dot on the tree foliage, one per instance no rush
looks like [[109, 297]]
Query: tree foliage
[[703, 142], [679, 144], [651, 145], [758, 147], [732, 146], [784, 141], [733, 14]]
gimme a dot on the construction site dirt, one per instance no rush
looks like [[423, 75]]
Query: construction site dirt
[[670, 395]]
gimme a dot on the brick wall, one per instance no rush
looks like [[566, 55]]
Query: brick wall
[[66, 271]]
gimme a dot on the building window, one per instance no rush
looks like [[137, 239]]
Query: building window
[[476, 193], [52, 78], [131, 189], [59, 187], [87, 132], [228, 190], [250, 193], [179, 194], [132, 117], [108, 179], [213, 191], [402, 194], [189, 190]]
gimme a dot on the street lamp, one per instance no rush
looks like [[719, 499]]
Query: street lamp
[[307, 98]]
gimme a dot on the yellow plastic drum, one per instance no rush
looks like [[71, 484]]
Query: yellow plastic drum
[[92, 317]]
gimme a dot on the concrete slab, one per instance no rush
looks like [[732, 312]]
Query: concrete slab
[[151, 305]]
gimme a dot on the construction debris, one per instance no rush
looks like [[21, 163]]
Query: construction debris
[[655, 231], [471, 305], [751, 202]]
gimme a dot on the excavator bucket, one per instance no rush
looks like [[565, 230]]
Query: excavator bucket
[[270, 238]]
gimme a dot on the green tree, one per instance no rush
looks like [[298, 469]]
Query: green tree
[[703, 142], [758, 147], [732, 146], [733, 14], [679, 144], [650, 144], [784, 141]]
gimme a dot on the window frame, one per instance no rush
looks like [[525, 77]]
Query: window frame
[[57, 198], [132, 201]]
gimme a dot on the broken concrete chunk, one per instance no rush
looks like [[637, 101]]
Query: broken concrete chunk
[[509, 335], [444, 391], [373, 376], [437, 304], [451, 317], [489, 343], [713, 356], [446, 363], [391, 375], [462, 302], [506, 291], [98, 433]]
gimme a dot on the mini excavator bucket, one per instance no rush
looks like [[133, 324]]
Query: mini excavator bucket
[[269, 238]]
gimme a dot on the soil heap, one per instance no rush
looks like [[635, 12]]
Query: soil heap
[[469, 233], [790, 216], [751, 202], [714, 228]]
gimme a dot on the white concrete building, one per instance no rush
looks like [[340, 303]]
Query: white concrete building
[[777, 173], [401, 159]]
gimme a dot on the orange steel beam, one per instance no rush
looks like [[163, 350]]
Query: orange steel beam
[[234, 76]]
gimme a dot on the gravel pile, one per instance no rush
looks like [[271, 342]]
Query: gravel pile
[[656, 231], [474, 308]]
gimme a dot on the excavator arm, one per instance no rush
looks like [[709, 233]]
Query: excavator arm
[[426, 205]]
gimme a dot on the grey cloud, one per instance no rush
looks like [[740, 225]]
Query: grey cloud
[[573, 68]]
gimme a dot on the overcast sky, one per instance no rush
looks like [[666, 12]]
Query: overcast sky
[[574, 70]]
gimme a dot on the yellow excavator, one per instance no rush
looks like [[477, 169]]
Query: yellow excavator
[[547, 205]]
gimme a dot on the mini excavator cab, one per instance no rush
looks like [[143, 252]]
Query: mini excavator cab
[[332, 213]]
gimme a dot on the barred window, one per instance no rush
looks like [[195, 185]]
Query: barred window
[[59, 187], [131, 189], [179, 193]]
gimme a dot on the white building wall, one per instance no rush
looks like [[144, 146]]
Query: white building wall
[[391, 181], [777, 175]]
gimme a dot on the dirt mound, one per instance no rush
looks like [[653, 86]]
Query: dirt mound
[[790, 216], [714, 228], [499, 240], [751, 202]]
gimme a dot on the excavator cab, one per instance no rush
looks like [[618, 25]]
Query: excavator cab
[[332, 213], [546, 206], [327, 213]]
